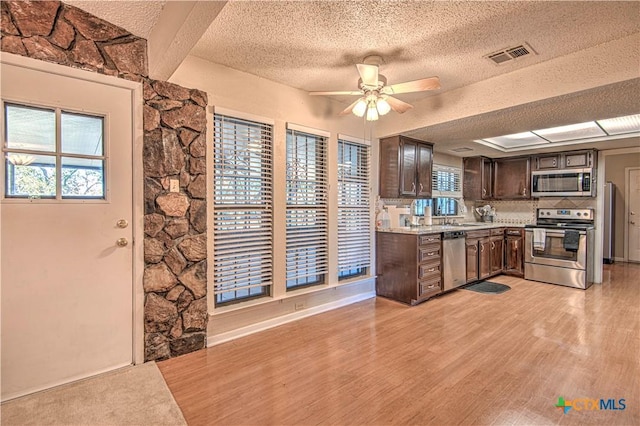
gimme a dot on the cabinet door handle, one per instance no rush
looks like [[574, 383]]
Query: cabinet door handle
[[431, 269], [568, 161], [493, 245], [413, 187], [431, 253], [421, 188], [481, 248], [484, 191], [515, 243], [475, 248]]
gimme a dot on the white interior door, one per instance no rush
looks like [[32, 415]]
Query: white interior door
[[67, 286], [633, 217]]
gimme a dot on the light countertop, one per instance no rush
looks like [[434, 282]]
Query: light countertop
[[436, 229]]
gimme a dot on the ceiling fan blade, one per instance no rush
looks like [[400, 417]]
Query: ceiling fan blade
[[397, 105], [348, 109], [348, 92], [430, 83], [368, 74]]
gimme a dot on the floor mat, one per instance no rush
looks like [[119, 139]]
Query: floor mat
[[487, 287]]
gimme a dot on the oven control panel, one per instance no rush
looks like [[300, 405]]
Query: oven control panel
[[566, 214]]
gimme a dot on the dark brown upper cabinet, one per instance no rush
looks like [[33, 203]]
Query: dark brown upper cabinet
[[512, 178], [478, 178], [499, 179], [566, 160], [547, 161], [405, 167]]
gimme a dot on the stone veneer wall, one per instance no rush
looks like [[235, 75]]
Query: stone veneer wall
[[175, 286]]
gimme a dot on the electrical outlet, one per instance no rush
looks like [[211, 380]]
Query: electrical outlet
[[174, 185], [298, 306]]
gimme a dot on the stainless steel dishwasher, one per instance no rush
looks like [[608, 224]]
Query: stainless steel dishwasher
[[454, 259]]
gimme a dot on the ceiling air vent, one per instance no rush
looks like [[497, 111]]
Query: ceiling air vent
[[461, 149], [510, 53]]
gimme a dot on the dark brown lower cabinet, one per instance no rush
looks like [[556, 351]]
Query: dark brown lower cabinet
[[472, 255], [497, 253], [484, 252], [485, 258], [408, 266], [514, 252]]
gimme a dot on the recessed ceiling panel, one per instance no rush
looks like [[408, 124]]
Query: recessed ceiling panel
[[517, 140], [571, 132], [621, 125]]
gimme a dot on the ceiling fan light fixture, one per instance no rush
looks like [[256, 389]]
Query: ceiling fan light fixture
[[360, 108], [383, 106], [20, 159], [372, 112]]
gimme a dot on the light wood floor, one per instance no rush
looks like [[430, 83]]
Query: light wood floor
[[463, 358]]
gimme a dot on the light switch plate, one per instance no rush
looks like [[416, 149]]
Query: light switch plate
[[174, 185]]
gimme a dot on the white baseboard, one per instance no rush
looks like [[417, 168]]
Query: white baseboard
[[284, 319]]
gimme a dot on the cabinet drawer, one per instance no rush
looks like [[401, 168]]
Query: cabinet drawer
[[477, 234], [428, 239], [514, 232], [429, 271], [428, 253], [429, 288], [497, 231]]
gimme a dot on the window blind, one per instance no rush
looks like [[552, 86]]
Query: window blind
[[306, 216], [243, 209], [446, 181], [354, 209]]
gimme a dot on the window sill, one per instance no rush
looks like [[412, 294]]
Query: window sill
[[290, 294]]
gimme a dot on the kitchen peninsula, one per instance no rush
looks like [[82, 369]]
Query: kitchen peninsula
[[410, 261]]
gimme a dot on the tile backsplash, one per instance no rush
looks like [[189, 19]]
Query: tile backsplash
[[512, 212], [518, 212]]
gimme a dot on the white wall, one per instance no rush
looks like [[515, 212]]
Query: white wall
[[248, 94]]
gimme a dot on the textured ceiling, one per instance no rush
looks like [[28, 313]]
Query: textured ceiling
[[137, 17], [603, 102], [314, 45]]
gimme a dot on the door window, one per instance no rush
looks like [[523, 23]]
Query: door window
[[53, 154]]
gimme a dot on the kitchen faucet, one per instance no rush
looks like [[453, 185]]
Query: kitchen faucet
[[462, 209]]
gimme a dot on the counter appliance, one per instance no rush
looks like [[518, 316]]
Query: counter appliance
[[453, 260], [563, 183], [559, 247]]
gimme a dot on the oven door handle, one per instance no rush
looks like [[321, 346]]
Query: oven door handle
[[560, 233]]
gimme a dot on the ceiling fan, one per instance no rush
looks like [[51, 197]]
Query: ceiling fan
[[375, 96]]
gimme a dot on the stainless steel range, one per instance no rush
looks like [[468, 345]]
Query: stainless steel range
[[559, 247]]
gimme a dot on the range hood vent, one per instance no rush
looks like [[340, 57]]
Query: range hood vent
[[511, 53]]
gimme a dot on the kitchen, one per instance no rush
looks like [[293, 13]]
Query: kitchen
[[439, 254], [555, 87]]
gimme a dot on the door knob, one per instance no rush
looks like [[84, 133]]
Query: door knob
[[122, 242], [632, 222], [122, 223]]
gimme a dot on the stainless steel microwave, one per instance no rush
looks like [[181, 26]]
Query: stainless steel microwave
[[563, 183]]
